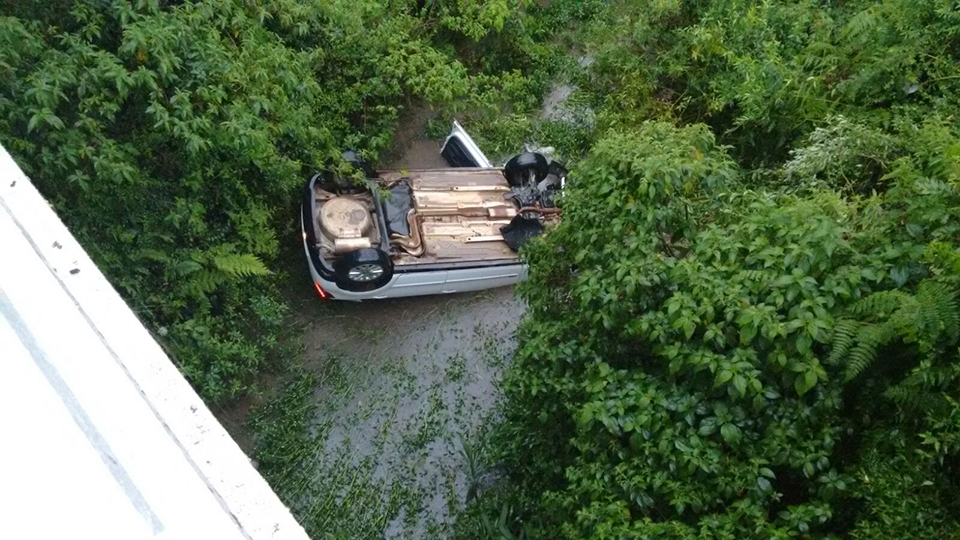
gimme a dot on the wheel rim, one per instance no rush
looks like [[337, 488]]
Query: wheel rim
[[365, 272]]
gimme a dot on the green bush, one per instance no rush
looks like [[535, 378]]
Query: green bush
[[764, 75], [678, 375], [756, 338], [173, 139]]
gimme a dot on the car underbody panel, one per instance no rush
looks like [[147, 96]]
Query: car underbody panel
[[458, 212], [426, 231]]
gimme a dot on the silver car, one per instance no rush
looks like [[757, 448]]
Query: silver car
[[428, 231]]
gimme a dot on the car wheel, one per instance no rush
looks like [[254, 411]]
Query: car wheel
[[364, 269], [526, 168]]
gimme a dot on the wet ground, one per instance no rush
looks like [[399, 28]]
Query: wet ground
[[406, 387]]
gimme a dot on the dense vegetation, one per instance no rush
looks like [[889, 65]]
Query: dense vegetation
[[746, 325], [173, 137]]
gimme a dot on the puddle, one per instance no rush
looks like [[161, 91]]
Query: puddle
[[554, 104], [408, 383], [560, 103]]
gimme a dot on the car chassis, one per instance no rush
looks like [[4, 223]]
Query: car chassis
[[427, 231]]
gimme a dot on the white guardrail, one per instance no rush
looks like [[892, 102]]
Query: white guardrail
[[102, 436]]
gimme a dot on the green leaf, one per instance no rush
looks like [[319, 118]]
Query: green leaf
[[747, 333], [689, 328], [740, 383], [764, 485], [783, 281], [805, 381], [730, 433], [54, 121], [708, 427], [900, 275]]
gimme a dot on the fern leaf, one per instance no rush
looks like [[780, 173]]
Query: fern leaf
[[908, 398], [929, 319], [843, 339], [861, 24], [862, 355], [240, 265], [205, 281], [185, 268], [153, 255], [880, 304], [755, 276], [938, 304], [869, 338]]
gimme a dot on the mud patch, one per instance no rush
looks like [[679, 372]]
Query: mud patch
[[421, 155], [553, 103], [411, 147], [562, 105], [408, 383]]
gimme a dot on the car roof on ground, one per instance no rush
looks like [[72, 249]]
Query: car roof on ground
[[102, 436]]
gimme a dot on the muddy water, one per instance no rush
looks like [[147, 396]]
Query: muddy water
[[406, 386], [408, 383], [419, 154]]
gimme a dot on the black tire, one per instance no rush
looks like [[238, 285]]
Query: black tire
[[364, 269], [524, 168], [328, 181]]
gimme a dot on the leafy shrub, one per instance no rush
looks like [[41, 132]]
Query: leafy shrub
[[763, 76], [843, 155], [706, 360], [173, 138]]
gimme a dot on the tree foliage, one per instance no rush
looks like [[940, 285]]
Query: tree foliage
[[751, 334], [746, 325], [173, 136]]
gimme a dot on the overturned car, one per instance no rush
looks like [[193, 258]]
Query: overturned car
[[428, 231]]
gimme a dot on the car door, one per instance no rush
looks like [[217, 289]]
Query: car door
[[459, 150], [416, 284]]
